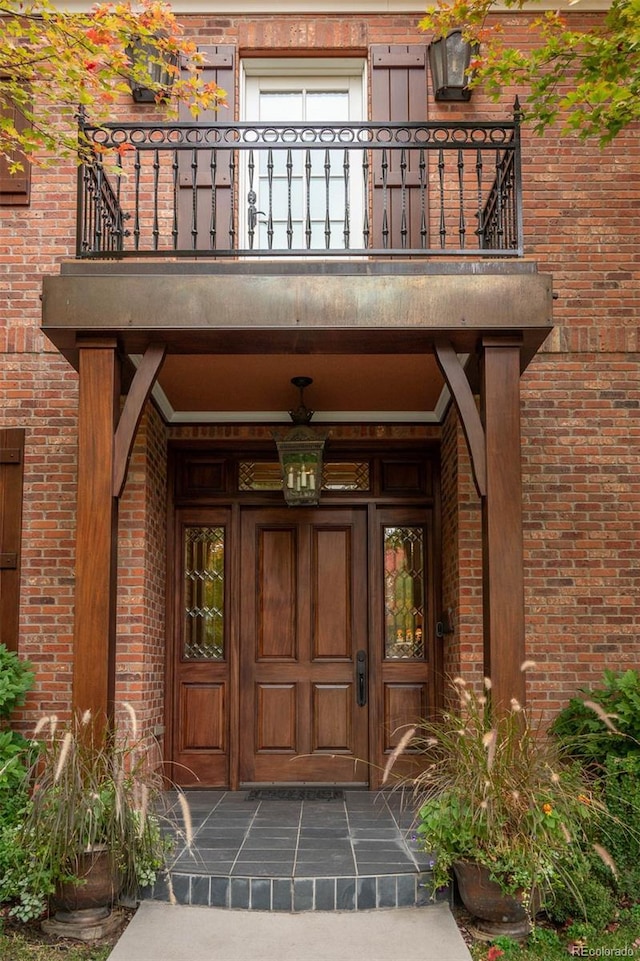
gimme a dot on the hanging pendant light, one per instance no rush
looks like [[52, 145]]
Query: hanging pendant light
[[300, 450]]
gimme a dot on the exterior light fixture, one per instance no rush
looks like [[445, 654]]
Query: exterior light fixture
[[159, 73], [449, 59], [300, 450]]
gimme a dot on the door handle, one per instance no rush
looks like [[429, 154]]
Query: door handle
[[361, 678]]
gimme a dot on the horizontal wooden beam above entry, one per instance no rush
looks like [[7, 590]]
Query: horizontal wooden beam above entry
[[297, 311]]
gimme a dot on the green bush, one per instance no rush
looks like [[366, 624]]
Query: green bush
[[587, 899], [621, 837], [16, 678], [584, 733]]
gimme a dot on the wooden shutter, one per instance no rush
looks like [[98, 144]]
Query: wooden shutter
[[398, 94], [15, 188], [11, 480], [197, 228]]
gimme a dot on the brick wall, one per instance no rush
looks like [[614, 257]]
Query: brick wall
[[580, 399]]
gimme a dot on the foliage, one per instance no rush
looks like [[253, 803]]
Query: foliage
[[53, 62], [588, 899], [88, 787], [621, 832], [587, 78], [16, 678], [496, 790], [606, 721]]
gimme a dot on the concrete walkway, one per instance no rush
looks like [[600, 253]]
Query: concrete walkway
[[164, 932]]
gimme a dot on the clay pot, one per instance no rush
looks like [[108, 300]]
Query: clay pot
[[494, 912], [97, 892]]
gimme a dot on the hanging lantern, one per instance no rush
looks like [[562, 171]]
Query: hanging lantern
[[300, 450], [160, 74], [449, 59]]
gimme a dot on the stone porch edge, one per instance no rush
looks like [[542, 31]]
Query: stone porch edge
[[361, 893]]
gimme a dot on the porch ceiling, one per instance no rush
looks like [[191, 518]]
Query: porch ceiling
[[365, 333]]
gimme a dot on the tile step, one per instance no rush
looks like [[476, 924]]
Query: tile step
[[361, 893]]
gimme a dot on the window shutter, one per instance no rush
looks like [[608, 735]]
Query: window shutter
[[15, 188], [198, 229], [398, 94], [11, 480]]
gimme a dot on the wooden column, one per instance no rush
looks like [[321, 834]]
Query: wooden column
[[503, 572], [96, 538]]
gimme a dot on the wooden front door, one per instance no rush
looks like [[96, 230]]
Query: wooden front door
[[303, 640], [304, 689]]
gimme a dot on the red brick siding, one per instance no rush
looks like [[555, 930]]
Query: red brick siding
[[579, 401]]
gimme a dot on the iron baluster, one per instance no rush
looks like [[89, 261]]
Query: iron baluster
[[252, 213], [270, 190], [175, 168], [422, 167], [385, 217], [289, 168], [443, 221], [156, 224], [307, 184], [194, 199], [462, 229], [327, 200], [403, 195], [213, 215], [232, 199], [136, 222], [365, 191], [347, 213], [499, 214], [480, 212]]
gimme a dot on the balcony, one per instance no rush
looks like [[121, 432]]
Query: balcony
[[354, 191]]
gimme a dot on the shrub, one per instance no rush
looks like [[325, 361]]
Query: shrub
[[605, 721]]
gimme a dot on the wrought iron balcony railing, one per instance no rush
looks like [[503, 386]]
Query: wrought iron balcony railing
[[301, 190]]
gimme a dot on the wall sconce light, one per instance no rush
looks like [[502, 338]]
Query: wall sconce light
[[159, 73], [449, 59], [300, 450]]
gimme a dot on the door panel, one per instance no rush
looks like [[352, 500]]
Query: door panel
[[406, 606], [303, 619], [200, 661]]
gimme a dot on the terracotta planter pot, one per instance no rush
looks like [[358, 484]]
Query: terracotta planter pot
[[97, 892], [494, 912]]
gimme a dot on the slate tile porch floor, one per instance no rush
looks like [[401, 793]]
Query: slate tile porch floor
[[351, 853]]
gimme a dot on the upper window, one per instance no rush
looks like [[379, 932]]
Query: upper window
[[305, 199]]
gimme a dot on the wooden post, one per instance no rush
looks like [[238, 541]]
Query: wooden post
[[502, 543], [96, 537]]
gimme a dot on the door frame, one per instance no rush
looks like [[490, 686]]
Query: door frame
[[188, 500]]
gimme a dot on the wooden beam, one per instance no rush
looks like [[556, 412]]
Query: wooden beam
[[503, 566], [96, 538], [456, 380], [141, 387]]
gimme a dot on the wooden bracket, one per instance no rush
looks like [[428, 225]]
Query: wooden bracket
[[10, 455], [141, 387], [456, 379]]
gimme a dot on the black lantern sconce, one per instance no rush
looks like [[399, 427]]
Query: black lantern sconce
[[449, 59], [159, 72], [300, 450]]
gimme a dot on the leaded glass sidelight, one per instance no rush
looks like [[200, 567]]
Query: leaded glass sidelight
[[404, 592], [203, 593]]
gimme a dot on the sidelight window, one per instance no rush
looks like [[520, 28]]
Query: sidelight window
[[204, 549], [404, 592]]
